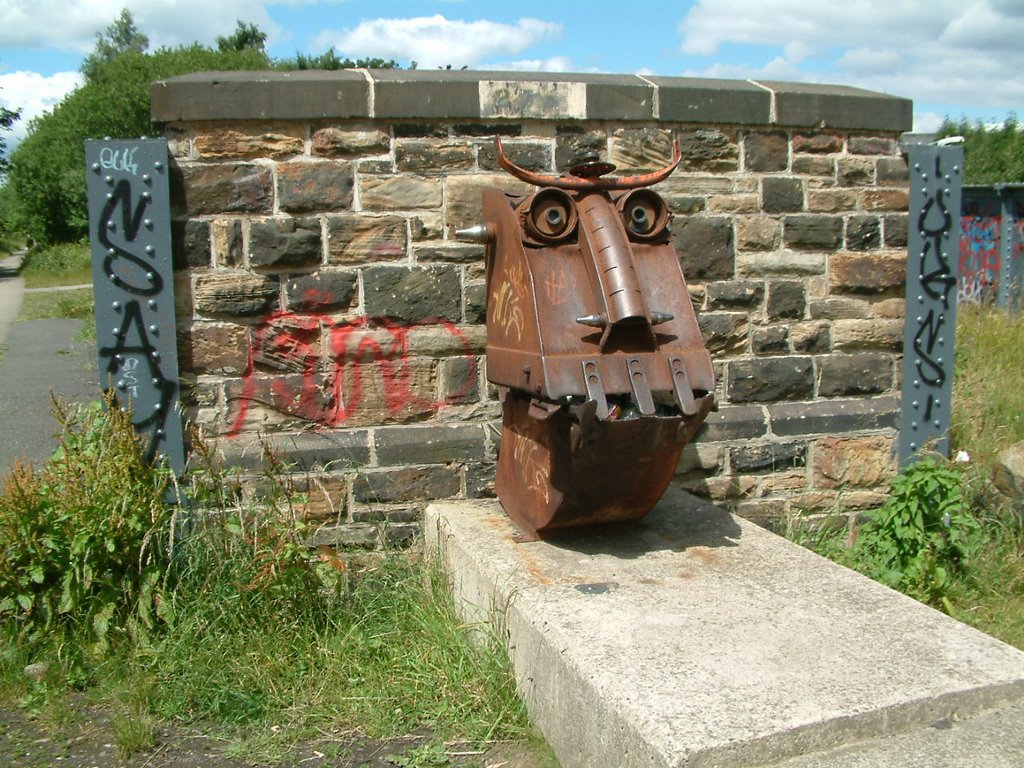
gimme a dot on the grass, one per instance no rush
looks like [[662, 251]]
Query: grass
[[239, 627], [985, 587], [58, 265]]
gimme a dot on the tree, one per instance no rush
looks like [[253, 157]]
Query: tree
[[7, 118], [46, 179], [330, 60], [245, 37], [120, 37], [992, 154]]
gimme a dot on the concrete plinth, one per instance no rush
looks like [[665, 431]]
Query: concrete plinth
[[696, 638]]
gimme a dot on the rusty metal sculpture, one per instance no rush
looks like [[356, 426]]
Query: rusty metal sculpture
[[593, 343]]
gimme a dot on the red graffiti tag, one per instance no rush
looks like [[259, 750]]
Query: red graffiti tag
[[331, 394]]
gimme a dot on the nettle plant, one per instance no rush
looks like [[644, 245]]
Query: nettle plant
[[920, 538], [82, 539]]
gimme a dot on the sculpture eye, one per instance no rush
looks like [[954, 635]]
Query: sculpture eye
[[644, 212], [550, 215]]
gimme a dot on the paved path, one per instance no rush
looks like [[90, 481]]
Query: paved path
[[39, 356]]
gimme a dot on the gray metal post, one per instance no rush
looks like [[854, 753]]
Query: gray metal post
[[130, 230], [931, 291]]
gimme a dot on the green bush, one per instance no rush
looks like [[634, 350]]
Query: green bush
[[45, 195], [920, 538], [82, 541], [991, 155]]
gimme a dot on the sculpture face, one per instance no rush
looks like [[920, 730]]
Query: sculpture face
[[593, 342]]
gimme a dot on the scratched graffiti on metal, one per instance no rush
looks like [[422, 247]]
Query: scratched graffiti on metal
[[130, 232], [932, 287]]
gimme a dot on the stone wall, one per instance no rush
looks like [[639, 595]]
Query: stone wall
[[324, 308]]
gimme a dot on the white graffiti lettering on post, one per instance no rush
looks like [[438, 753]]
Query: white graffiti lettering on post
[[119, 160]]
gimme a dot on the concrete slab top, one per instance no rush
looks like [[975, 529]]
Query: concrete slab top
[[697, 638]]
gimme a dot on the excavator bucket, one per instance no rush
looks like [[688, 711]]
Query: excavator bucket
[[593, 343]]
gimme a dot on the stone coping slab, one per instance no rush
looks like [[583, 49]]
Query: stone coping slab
[[696, 638], [420, 94]]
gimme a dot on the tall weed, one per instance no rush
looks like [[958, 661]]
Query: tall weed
[[81, 540]]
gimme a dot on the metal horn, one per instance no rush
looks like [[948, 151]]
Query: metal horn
[[584, 184]]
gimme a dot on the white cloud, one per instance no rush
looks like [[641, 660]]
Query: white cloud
[[934, 51], [554, 64], [72, 25], [33, 94], [927, 122], [434, 41]]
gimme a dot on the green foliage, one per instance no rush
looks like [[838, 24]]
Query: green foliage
[[991, 155], [81, 541], [245, 37], [66, 264], [120, 37], [920, 538], [331, 61], [47, 173]]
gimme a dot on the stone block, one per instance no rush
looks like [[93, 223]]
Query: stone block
[[411, 93], [863, 233], [307, 451], [447, 341], [281, 243], [867, 272], [732, 422], [487, 130], [480, 481], [476, 302], [812, 338], [878, 334], [235, 294], [770, 340], [735, 203], [782, 262], [447, 251], [770, 379], [208, 190], [853, 462], [817, 231], [855, 171], [463, 195], [709, 149], [541, 97], [641, 150], [361, 239], [817, 143], [863, 373], [531, 155], [457, 380], [837, 107], [287, 344], [885, 199], [786, 299], [725, 333], [733, 294], [892, 171], [705, 247], [228, 245], [831, 200], [765, 152], [332, 142], [895, 228], [321, 496], [406, 484], [767, 457], [814, 165], [782, 194], [306, 187], [326, 290], [838, 307], [241, 141], [432, 156], [834, 416], [704, 100], [429, 444], [872, 145], [349, 535], [412, 294], [190, 244], [572, 140], [221, 348], [1008, 471], [758, 233], [399, 193]]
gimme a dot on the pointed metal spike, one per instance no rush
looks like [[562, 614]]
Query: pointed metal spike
[[481, 233], [657, 318], [594, 321]]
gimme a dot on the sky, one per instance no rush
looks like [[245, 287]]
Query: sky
[[955, 58]]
